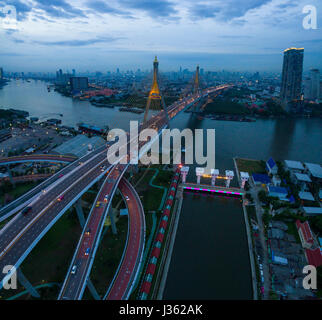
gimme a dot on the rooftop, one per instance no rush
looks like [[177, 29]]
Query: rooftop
[[302, 177], [314, 169], [277, 190], [271, 163], [294, 164], [314, 257], [263, 178], [78, 146], [306, 196], [312, 210], [306, 230]]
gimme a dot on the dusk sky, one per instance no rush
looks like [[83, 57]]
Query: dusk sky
[[106, 34]]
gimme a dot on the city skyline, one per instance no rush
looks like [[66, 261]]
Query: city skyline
[[100, 35]]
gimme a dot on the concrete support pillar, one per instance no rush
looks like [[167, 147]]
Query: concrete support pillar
[[92, 290], [244, 178], [112, 217], [229, 177], [10, 175], [80, 212], [214, 175], [199, 173], [28, 286]]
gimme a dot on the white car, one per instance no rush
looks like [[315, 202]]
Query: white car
[[74, 268], [127, 198]]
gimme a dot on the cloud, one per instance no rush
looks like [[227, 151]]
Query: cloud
[[22, 9], [154, 8], [103, 7], [202, 11], [59, 9], [77, 43], [223, 10]]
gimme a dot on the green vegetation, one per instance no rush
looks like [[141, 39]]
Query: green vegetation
[[238, 93], [17, 191], [251, 212], [250, 166], [49, 260], [274, 109], [226, 107], [108, 256]]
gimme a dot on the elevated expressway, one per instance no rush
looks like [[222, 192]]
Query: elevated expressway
[[16, 205], [75, 283], [22, 233]]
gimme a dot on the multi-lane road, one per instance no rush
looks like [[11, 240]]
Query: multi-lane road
[[20, 235], [129, 267], [23, 232], [18, 204], [75, 282]]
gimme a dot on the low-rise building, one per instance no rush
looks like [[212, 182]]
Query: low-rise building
[[260, 179], [314, 256], [294, 166], [276, 180], [302, 180], [5, 134], [306, 196], [314, 171], [305, 234], [312, 211], [278, 192], [271, 166]]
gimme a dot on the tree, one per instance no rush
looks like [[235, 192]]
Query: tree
[[262, 196]]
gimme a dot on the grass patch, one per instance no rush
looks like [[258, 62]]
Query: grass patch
[[19, 190], [250, 166], [50, 259], [108, 257]]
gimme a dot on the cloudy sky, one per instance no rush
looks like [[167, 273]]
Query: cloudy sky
[[106, 34]]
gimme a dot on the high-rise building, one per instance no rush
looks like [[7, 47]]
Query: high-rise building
[[291, 87], [315, 84], [79, 83]]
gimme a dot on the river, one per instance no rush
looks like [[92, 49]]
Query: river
[[210, 257]]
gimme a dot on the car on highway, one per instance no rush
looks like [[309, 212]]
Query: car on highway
[[127, 198], [61, 175], [103, 168], [106, 198], [87, 251], [60, 198], [88, 232], [98, 204], [26, 210], [74, 268]]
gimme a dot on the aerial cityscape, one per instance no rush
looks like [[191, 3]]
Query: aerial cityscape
[[160, 150]]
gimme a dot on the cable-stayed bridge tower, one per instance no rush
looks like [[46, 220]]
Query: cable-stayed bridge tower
[[155, 98], [196, 84]]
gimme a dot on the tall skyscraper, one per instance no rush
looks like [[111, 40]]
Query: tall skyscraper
[[291, 87], [315, 84], [79, 83]]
